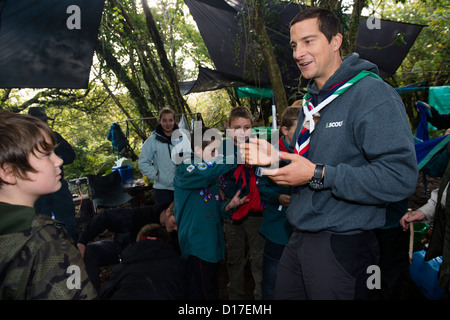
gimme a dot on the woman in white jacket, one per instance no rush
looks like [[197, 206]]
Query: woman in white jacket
[[158, 157]]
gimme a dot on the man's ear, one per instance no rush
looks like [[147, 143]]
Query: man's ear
[[7, 174], [284, 130], [337, 41]]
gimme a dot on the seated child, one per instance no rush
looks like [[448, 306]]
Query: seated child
[[150, 269], [125, 223], [37, 258], [199, 210]]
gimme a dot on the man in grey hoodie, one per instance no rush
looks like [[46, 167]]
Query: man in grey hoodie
[[356, 156]]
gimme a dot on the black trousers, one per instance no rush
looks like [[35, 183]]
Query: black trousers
[[98, 254], [394, 263], [163, 195], [326, 266], [203, 281]]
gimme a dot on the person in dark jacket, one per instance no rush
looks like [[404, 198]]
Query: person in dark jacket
[[150, 269], [60, 203], [125, 223]]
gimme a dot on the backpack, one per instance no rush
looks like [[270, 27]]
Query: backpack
[[118, 138]]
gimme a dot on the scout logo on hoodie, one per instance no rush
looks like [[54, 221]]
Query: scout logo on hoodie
[[334, 124]]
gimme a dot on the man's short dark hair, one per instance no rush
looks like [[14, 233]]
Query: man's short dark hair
[[329, 23]]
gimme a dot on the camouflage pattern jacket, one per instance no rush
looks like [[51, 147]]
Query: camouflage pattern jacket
[[38, 260]]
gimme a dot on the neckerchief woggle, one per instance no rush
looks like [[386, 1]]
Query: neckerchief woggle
[[302, 143]]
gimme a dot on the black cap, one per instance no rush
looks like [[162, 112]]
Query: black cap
[[39, 112]]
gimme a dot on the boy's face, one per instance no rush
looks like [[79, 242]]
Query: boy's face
[[240, 129], [210, 152], [289, 132], [47, 177]]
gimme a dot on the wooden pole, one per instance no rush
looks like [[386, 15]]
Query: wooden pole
[[411, 237]]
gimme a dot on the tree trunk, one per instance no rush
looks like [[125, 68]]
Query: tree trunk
[[349, 44], [257, 18], [159, 93], [135, 93], [180, 104]]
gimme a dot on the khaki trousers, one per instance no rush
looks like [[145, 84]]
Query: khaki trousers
[[236, 258]]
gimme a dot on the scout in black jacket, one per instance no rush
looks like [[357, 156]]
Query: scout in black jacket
[[150, 269], [125, 223]]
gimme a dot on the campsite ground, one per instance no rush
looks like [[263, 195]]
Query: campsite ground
[[411, 292]]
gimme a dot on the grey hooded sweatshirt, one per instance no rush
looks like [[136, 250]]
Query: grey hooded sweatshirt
[[365, 141]]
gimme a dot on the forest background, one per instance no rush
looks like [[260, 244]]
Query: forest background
[[146, 48]]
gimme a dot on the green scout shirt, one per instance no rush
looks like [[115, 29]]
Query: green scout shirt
[[199, 208], [275, 225]]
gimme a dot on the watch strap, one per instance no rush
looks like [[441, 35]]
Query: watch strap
[[316, 182], [318, 171]]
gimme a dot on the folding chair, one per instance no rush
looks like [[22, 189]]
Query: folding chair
[[107, 191]]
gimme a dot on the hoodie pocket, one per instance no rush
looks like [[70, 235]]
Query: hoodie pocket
[[319, 200]]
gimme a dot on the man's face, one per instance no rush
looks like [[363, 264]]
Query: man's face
[[314, 55]]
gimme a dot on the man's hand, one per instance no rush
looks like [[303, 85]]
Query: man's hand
[[416, 216], [259, 152], [297, 173]]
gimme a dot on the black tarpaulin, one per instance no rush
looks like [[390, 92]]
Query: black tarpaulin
[[220, 23], [385, 43], [208, 80], [47, 43]]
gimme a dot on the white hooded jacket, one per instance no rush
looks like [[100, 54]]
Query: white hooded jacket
[[160, 155]]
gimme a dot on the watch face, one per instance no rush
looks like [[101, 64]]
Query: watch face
[[316, 184]]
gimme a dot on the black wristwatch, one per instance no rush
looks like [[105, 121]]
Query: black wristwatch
[[316, 182]]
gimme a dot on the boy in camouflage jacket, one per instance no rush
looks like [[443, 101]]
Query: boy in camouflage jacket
[[37, 259]]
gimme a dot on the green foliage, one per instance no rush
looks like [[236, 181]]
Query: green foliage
[[84, 117], [182, 39], [428, 60], [428, 57], [214, 107]]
